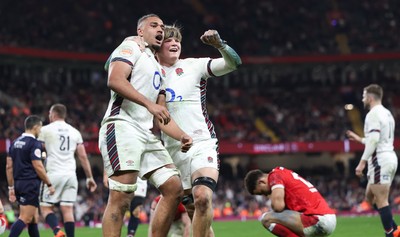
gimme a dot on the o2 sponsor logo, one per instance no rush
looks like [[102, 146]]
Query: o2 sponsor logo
[[157, 80], [173, 97]]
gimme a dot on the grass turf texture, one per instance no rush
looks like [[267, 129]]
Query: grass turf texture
[[346, 227]]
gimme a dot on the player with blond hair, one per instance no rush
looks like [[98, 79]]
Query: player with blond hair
[[185, 98]]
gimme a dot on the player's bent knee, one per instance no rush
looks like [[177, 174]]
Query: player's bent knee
[[265, 219], [160, 176], [206, 181], [120, 187]]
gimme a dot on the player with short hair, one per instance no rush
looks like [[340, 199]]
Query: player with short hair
[[128, 146], [186, 81], [62, 141], [378, 154], [181, 225], [25, 171], [298, 209]]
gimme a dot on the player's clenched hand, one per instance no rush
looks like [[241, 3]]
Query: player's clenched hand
[[51, 190], [91, 184], [186, 142], [160, 112], [211, 37], [353, 136], [360, 168]]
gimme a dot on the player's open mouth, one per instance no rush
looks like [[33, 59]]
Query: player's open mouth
[[159, 37], [173, 50]]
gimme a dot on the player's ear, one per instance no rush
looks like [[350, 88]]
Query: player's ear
[[140, 32]]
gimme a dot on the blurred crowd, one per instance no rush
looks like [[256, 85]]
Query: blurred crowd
[[253, 27], [304, 103]]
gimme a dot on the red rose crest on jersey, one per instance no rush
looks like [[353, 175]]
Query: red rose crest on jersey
[[210, 159], [179, 71]]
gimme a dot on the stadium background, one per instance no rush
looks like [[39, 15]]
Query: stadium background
[[299, 89]]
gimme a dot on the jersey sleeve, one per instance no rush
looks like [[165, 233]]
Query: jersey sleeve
[[204, 67], [275, 180], [42, 134], [372, 123], [78, 137], [10, 150], [128, 51], [36, 151]]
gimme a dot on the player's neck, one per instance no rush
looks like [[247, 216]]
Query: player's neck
[[30, 132], [169, 63], [374, 103], [58, 119]]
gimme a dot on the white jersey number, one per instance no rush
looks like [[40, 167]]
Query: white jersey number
[[308, 184]]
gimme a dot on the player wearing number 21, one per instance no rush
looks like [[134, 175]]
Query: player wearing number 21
[[62, 141], [298, 209]]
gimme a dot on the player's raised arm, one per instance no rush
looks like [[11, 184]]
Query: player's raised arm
[[230, 60]]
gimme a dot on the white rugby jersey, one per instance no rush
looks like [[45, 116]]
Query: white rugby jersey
[[379, 119], [185, 87], [61, 140], [145, 78]]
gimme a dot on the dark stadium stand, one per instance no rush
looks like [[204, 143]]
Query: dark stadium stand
[[303, 62]]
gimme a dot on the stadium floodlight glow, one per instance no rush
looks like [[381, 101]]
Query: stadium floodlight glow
[[349, 107]]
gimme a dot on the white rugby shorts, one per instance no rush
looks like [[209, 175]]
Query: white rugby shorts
[[125, 147], [202, 154]]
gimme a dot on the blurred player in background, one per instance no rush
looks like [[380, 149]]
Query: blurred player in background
[[181, 225], [3, 219], [298, 209], [136, 206], [128, 147], [25, 172], [62, 142], [186, 81], [378, 154]]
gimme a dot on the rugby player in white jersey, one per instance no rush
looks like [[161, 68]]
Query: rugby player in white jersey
[[128, 147], [62, 141], [186, 81], [378, 154]]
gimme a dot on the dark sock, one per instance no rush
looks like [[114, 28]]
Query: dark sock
[[133, 225], [69, 229], [17, 228], [52, 221], [33, 230], [387, 220]]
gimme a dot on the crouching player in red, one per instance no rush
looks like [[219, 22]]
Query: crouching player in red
[[298, 209]]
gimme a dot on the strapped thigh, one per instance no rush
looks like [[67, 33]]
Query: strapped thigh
[[206, 181]]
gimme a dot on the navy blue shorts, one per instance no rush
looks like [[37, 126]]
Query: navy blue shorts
[[27, 191]]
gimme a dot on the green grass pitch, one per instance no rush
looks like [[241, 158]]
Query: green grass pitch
[[346, 227]]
